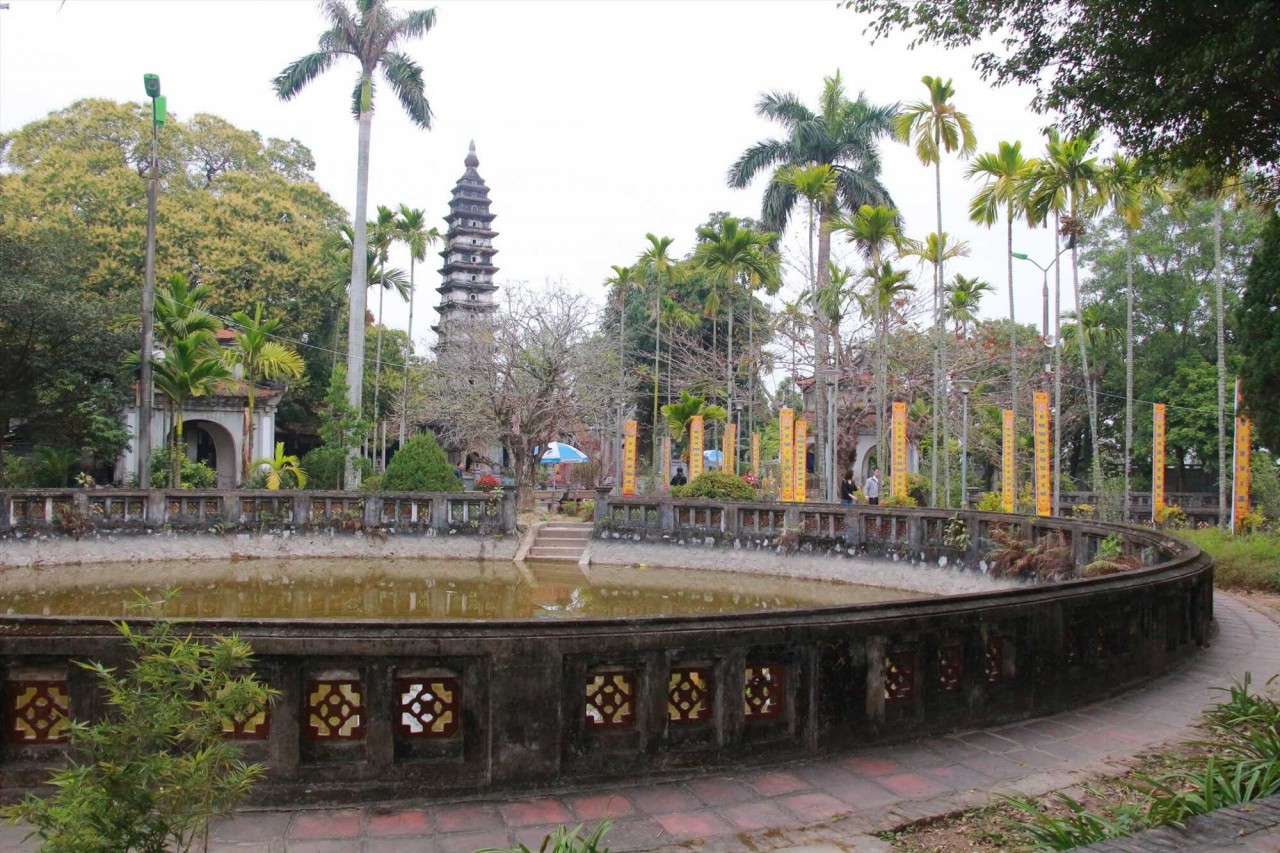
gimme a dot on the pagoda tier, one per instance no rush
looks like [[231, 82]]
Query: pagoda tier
[[466, 288]]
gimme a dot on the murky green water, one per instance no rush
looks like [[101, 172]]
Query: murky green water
[[413, 589]]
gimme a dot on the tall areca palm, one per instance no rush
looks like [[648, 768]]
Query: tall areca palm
[[681, 412], [936, 126], [657, 263], [844, 135], [182, 309], [936, 249], [411, 229], [259, 357], [370, 32], [1129, 190], [191, 367], [623, 281], [382, 233], [731, 256], [1070, 170], [1004, 173], [875, 229], [964, 294]]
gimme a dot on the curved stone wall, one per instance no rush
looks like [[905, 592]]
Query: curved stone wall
[[382, 709]]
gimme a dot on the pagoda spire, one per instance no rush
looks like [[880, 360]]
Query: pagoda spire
[[467, 288]]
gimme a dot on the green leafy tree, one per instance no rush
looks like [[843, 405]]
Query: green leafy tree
[[964, 295], [341, 426], [936, 126], [150, 775], [369, 32], [679, 414], [1259, 320], [420, 466], [282, 469], [1190, 84]]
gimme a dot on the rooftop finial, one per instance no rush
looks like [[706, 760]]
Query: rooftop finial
[[472, 160]]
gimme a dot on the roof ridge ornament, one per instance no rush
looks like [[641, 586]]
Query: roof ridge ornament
[[472, 160]]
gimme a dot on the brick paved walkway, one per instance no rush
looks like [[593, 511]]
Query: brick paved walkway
[[821, 806]]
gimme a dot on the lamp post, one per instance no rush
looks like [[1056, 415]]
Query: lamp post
[[830, 376], [151, 82], [964, 386], [1051, 343]]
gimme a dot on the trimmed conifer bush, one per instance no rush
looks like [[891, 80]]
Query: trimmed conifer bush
[[420, 466]]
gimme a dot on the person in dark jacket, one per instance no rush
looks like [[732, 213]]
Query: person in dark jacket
[[847, 489], [679, 479]]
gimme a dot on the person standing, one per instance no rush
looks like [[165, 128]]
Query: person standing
[[847, 489], [871, 488], [679, 478]]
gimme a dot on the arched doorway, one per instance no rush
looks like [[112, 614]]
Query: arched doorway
[[212, 444]]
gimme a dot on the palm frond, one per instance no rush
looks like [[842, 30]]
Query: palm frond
[[296, 75], [417, 23], [785, 108], [762, 155], [405, 77]]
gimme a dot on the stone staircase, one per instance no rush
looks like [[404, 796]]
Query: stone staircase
[[560, 541]]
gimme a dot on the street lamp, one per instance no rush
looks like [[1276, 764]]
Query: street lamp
[[151, 83], [964, 386], [1051, 342], [831, 378]]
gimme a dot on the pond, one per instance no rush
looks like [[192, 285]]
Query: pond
[[412, 589]]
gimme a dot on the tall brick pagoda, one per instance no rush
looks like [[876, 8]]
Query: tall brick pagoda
[[466, 292]]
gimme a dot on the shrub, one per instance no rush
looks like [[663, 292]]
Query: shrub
[[565, 840], [1170, 517], [487, 483], [324, 467], [586, 510], [917, 488], [371, 484], [991, 502], [906, 500], [1046, 560], [1084, 511], [195, 475], [150, 775], [716, 485], [420, 466]]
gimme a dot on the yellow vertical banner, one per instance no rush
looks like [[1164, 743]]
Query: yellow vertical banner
[[1243, 473], [629, 459], [695, 446], [802, 459], [1157, 461], [730, 448], [898, 474], [1008, 473], [755, 456], [787, 450], [666, 463], [1044, 489]]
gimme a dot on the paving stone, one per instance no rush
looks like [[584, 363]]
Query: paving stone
[[399, 845], [601, 805], [867, 766], [776, 783], [681, 826], [721, 791], [959, 777], [752, 816], [469, 842], [861, 793], [546, 810], [395, 823], [663, 799], [326, 845], [636, 834], [814, 806], [261, 826], [468, 818], [914, 786], [337, 823]]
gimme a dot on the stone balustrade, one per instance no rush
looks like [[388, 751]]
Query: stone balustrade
[[371, 710], [79, 512]]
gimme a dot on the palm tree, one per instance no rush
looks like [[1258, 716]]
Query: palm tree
[[182, 310], [875, 229], [191, 367], [886, 287], [281, 466], [623, 281], [1070, 170], [370, 32], [963, 296], [731, 256], [411, 229], [936, 249], [1129, 190], [843, 135], [382, 233], [657, 262], [1004, 172], [259, 357], [679, 414], [935, 126]]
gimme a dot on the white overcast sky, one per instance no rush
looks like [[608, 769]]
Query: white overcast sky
[[595, 122]]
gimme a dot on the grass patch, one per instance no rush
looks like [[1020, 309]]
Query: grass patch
[[1246, 562]]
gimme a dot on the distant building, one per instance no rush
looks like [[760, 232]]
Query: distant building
[[467, 288]]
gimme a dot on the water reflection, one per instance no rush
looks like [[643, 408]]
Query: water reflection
[[423, 589]]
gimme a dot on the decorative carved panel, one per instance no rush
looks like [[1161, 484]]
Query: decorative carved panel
[[765, 694], [429, 707], [950, 667], [254, 727], [37, 712], [689, 695], [335, 710], [900, 676], [611, 700], [993, 668]]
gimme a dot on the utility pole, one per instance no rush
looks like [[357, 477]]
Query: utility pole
[[145, 392]]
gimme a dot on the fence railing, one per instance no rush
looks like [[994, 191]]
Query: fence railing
[[80, 511]]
